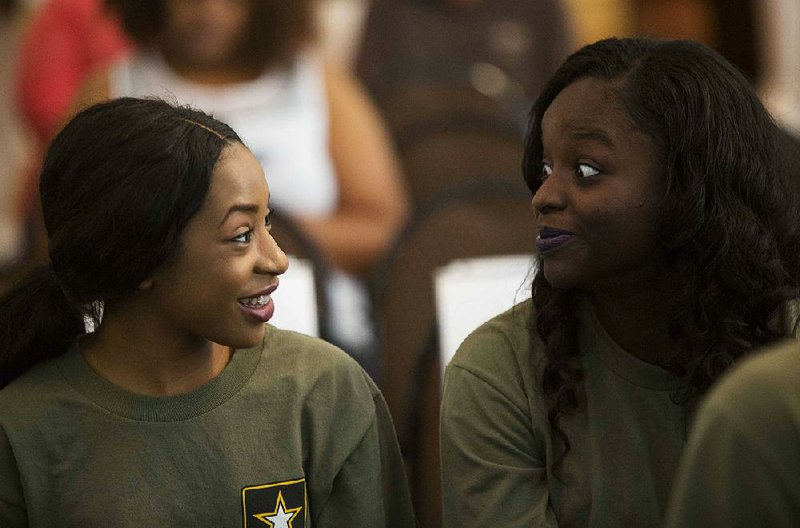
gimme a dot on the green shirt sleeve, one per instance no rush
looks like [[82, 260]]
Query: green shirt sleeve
[[741, 467], [355, 472], [493, 468], [370, 490]]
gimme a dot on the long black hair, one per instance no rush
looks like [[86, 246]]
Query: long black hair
[[118, 185], [728, 224]]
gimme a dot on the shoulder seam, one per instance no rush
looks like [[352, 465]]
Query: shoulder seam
[[496, 389]]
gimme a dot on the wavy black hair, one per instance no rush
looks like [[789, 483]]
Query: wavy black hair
[[728, 225], [276, 28], [118, 186]]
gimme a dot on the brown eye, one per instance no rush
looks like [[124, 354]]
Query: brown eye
[[584, 171], [546, 171], [245, 237]]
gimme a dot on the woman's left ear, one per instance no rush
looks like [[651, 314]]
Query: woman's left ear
[[146, 284]]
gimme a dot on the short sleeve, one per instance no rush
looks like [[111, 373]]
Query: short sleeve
[[493, 468], [354, 469], [370, 490]]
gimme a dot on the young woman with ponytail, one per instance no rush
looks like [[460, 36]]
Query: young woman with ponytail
[[182, 407]]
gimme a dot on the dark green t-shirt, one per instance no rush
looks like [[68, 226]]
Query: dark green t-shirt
[[741, 466], [498, 449], [291, 433]]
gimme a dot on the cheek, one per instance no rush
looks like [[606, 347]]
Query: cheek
[[620, 225], [636, 228], [624, 207], [603, 218], [646, 209], [212, 273], [233, 274]]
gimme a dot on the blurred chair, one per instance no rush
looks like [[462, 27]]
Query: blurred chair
[[471, 291], [470, 220], [455, 81], [447, 136], [407, 105], [505, 49], [441, 154]]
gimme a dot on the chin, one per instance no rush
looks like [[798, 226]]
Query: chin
[[561, 278]]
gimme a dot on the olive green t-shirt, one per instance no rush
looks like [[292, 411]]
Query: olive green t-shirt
[[292, 433], [498, 449], [741, 466]]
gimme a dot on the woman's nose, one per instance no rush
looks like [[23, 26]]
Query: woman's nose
[[551, 195], [272, 259]]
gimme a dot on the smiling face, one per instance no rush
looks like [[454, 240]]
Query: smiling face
[[601, 188], [218, 286]]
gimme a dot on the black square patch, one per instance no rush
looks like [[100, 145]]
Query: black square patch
[[278, 505]]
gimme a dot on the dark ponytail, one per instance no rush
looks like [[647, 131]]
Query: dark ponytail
[[118, 185], [36, 321]]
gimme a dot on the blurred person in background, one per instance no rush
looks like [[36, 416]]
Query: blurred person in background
[[254, 64], [15, 144], [64, 43], [61, 45]]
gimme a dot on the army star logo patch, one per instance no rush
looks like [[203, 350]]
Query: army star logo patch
[[278, 505]]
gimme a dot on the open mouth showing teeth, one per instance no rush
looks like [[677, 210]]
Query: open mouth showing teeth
[[255, 302]]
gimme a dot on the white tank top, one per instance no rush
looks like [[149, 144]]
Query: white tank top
[[282, 117]]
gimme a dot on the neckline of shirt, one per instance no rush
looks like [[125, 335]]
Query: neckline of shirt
[[595, 340], [124, 403]]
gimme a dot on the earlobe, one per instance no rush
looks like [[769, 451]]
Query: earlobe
[[146, 284]]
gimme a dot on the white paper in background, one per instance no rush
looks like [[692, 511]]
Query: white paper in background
[[469, 292], [296, 299]]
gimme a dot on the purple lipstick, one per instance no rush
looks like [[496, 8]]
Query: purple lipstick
[[550, 238]]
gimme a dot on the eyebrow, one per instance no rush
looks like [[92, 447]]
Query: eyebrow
[[239, 208]]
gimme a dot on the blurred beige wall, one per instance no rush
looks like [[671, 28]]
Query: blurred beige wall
[[596, 19]]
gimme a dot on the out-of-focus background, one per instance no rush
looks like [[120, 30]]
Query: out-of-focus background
[[439, 92]]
